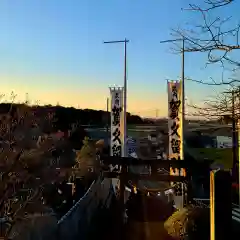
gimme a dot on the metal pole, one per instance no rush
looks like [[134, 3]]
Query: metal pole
[[237, 163], [125, 41], [125, 98], [182, 100], [108, 117], [183, 114], [234, 138], [183, 97]]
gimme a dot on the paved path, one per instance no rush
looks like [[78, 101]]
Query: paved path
[[146, 219]]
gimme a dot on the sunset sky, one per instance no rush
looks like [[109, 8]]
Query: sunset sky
[[53, 50]]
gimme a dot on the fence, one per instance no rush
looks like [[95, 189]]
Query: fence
[[206, 203]]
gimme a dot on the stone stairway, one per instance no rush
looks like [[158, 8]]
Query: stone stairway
[[236, 214]]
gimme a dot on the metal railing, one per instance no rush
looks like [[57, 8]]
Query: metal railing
[[76, 222], [236, 212], [235, 208]]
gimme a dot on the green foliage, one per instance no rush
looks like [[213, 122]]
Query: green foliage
[[86, 157], [189, 223], [221, 156]]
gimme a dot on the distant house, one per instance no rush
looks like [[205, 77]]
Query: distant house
[[224, 142]]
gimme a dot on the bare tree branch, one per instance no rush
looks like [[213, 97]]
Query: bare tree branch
[[214, 37], [212, 4], [212, 82], [219, 107]]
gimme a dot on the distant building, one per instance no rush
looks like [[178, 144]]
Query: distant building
[[224, 142]]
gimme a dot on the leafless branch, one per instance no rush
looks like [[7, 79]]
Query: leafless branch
[[218, 107], [212, 82], [212, 36]]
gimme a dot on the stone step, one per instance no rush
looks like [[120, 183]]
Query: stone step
[[236, 214]]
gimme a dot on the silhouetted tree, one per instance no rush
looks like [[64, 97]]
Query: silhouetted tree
[[76, 138]]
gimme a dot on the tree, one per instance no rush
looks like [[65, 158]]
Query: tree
[[21, 161], [225, 108], [217, 36], [77, 137], [218, 107], [86, 158], [192, 222]]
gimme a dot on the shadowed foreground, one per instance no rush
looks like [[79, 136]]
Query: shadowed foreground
[[146, 217]]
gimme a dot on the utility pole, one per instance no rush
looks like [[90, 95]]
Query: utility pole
[[125, 41]]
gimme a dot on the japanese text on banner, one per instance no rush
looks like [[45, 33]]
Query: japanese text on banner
[[116, 120], [175, 123]]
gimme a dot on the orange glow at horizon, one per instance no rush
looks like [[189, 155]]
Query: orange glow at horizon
[[44, 90]]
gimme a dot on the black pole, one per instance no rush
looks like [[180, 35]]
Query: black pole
[[234, 140], [108, 117]]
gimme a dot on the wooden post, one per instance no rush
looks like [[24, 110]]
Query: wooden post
[[122, 201], [223, 204], [234, 139], [122, 187], [220, 205], [212, 206]]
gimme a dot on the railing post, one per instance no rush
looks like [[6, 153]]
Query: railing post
[[122, 187], [220, 205]]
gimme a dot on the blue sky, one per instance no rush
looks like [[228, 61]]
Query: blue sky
[[54, 51]]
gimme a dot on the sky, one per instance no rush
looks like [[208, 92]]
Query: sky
[[53, 50]]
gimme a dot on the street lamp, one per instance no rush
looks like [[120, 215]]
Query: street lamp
[[125, 41]]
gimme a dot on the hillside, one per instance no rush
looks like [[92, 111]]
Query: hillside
[[66, 116]]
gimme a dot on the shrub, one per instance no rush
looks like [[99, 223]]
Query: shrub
[[189, 223]]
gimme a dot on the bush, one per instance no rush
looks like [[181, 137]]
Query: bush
[[191, 223]]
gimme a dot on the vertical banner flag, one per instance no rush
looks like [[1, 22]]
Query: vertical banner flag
[[175, 124], [117, 133]]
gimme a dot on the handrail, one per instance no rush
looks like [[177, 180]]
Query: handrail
[[76, 204], [236, 205], [80, 216], [207, 199]]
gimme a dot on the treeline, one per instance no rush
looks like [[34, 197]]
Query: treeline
[[89, 117], [64, 117]]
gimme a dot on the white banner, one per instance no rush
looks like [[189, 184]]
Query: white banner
[[175, 123], [117, 131]]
